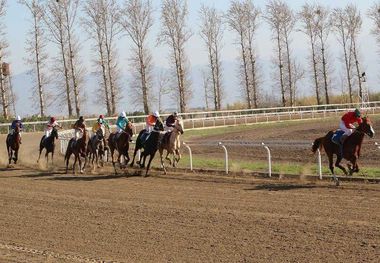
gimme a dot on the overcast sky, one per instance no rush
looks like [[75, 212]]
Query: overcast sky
[[17, 23]]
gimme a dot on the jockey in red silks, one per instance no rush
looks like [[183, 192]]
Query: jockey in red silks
[[347, 121], [52, 123]]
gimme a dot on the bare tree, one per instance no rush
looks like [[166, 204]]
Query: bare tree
[[36, 47], [175, 33], [323, 28], [110, 14], [307, 17], [5, 94], [212, 33], [163, 84], [347, 23], [242, 17], [103, 29], [54, 18], [274, 18], [137, 21], [374, 14], [354, 25]]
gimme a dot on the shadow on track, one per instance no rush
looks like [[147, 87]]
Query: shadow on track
[[95, 177], [285, 187]]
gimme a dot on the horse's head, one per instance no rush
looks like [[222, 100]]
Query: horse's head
[[179, 125], [54, 133], [366, 127], [159, 126], [129, 128], [17, 129], [100, 133]]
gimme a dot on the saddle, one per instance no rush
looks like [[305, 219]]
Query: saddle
[[336, 138]]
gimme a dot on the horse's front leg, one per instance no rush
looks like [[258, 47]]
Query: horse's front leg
[[16, 156], [81, 169], [162, 160], [10, 154], [178, 157], [39, 156]]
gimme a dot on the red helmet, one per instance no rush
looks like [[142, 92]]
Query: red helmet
[[101, 116], [52, 119]]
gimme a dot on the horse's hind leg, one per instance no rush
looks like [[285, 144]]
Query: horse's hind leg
[[39, 156], [134, 155], [331, 166], [162, 161], [178, 157], [337, 164], [151, 156]]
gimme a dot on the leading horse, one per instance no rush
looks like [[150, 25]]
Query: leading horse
[[121, 144], [49, 144], [351, 148], [13, 145], [171, 143], [76, 147]]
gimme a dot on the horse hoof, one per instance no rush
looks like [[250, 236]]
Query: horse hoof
[[81, 171]]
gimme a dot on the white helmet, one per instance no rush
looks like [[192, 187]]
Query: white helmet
[[156, 114], [122, 114], [18, 118]]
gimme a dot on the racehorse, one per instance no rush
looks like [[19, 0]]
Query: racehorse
[[96, 147], [150, 146], [77, 148], [351, 148], [49, 144], [13, 145], [121, 144], [171, 143]]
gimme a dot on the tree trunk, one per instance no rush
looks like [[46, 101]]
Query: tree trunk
[[253, 71], [315, 70], [105, 80], [281, 69], [357, 69], [249, 100], [39, 82], [69, 106], [290, 81], [143, 79]]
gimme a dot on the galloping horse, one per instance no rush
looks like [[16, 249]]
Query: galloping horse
[[121, 144], [49, 144], [150, 146], [13, 145], [351, 148], [171, 143], [96, 147], [76, 147]]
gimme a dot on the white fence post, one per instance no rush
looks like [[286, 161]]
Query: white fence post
[[269, 159], [319, 164], [225, 156], [190, 155]]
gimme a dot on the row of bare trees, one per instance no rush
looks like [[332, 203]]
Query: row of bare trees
[[105, 21]]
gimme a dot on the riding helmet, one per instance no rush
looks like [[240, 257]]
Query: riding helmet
[[357, 113], [156, 114], [101, 116]]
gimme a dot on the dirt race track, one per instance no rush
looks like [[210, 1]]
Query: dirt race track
[[48, 216]]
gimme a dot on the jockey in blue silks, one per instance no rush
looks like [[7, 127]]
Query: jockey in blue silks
[[121, 123]]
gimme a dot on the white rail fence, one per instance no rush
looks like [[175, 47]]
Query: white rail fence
[[266, 145], [228, 117]]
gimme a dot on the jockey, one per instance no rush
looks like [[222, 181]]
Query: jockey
[[100, 123], [170, 121], [52, 123], [15, 123], [121, 123], [346, 123], [79, 127], [153, 121]]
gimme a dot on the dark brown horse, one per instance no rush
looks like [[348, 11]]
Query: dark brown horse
[[121, 144], [351, 148], [13, 145], [77, 148], [96, 147], [150, 146], [49, 145]]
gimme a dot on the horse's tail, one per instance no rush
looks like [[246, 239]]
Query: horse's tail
[[317, 144]]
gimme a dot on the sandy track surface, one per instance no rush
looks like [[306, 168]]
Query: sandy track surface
[[48, 216], [192, 218]]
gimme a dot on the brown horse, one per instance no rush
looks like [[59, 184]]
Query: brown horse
[[77, 148], [351, 148], [13, 145], [49, 145], [171, 143], [96, 147], [121, 144]]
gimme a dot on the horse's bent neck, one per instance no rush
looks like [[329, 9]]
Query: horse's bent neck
[[356, 138]]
